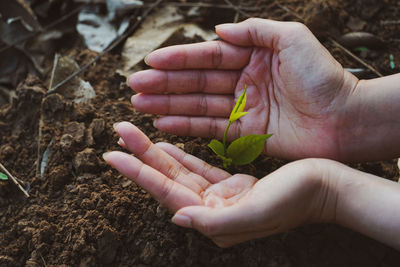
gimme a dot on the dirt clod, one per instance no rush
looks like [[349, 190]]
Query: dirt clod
[[86, 161]]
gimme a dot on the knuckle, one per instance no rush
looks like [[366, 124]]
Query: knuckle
[[206, 168], [202, 105], [297, 27], [166, 189], [217, 55], [207, 229], [213, 128], [253, 20], [201, 81]]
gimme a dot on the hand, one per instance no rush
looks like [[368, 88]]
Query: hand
[[228, 209], [296, 89]]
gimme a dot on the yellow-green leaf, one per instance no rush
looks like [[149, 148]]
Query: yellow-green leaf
[[240, 104], [237, 116], [246, 148]]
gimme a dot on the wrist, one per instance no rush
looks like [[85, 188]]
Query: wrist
[[324, 201], [368, 120], [369, 205]]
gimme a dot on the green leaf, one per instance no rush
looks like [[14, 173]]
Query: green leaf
[[217, 147], [391, 63], [246, 148], [3, 176], [240, 104]]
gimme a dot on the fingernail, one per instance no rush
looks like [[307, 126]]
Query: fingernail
[[115, 124], [146, 59], [182, 220], [224, 25], [105, 155], [128, 81]]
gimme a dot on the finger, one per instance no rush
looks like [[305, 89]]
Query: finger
[[138, 143], [171, 194], [230, 239], [184, 81], [192, 104], [206, 55], [194, 164], [235, 219], [207, 127], [259, 32]]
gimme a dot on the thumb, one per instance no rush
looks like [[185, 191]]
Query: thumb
[[212, 221], [259, 32]]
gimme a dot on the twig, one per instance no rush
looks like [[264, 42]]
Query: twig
[[335, 43], [14, 179], [108, 49], [207, 5], [389, 22], [362, 62], [238, 10], [289, 11], [39, 141]]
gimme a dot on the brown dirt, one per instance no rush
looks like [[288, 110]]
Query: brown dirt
[[83, 213]]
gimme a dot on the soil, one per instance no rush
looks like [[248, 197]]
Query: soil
[[83, 213]]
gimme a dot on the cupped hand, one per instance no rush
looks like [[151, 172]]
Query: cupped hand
[[228, 209], [296, 89]]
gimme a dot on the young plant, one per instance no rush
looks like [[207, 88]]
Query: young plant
[[3, 176], [244, 149]]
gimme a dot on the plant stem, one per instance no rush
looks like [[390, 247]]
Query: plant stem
[[225, 135]]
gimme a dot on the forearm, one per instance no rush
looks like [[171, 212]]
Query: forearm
[[370, 125], [368, 204]]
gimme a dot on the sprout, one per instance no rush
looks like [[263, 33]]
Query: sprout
[[244, 149]]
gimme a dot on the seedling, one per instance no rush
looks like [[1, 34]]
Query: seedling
[[244, 149], [3, 176]]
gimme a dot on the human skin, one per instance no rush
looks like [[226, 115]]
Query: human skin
[[296, 90], [232, 209]]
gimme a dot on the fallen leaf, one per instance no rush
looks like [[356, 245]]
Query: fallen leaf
[[157, 31]]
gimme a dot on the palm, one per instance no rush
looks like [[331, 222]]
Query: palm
[[294, 91], [175, 178], [294, 106], [228, 209]]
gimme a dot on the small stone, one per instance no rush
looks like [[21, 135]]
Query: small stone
[[86, 161], [95, 131], [180, 145], [66, 142], [97, 127], [76, 130], [126, 183]]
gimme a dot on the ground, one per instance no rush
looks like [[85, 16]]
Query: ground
[[83, 213]]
